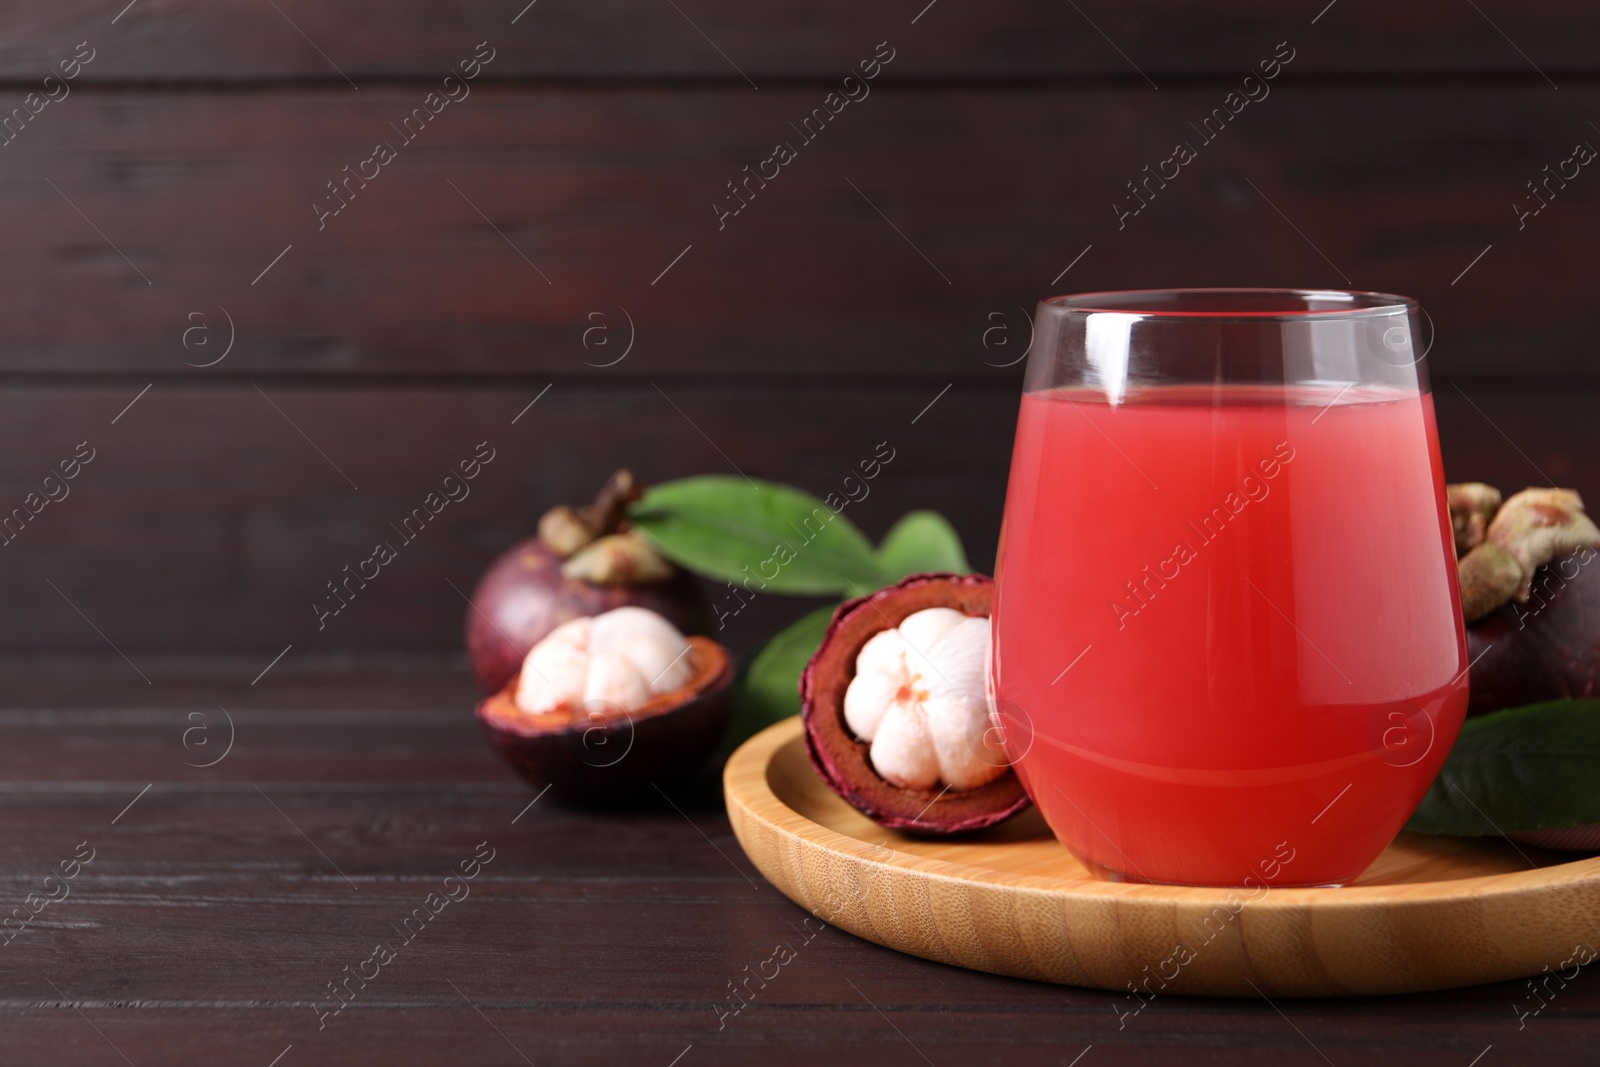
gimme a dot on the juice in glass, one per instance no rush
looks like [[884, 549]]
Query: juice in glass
[[1227, 640]]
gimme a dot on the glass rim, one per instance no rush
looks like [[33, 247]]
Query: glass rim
[[1159, 303]]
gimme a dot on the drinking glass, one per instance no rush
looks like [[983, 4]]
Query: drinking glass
[[1228, 646]]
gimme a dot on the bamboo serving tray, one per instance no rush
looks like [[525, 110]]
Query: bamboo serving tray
[[1430, 913]]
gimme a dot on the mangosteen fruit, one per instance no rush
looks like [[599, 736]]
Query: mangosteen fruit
[[1530, 598], [583, 561], [605, 706], [896, 708]]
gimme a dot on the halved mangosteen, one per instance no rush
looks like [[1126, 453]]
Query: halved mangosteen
[[604, 707], [896, 712]]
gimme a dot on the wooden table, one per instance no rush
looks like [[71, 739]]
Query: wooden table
[[221, 902]]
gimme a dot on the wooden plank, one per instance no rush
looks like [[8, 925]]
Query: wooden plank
[[207, 522], [1518, 439], [720, 39], [845, 1031], [181, 748], [128, 940], [352, 837], [242, 683], [875, 252]]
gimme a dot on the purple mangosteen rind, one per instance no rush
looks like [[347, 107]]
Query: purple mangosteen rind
[[1545, 649], [842, 761]]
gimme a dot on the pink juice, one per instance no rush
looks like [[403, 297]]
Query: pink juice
[[1227, 628]]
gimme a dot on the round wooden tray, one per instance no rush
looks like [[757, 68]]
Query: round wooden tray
[[1430, 913]]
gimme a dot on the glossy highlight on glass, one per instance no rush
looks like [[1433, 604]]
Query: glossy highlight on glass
[[1227, 632]]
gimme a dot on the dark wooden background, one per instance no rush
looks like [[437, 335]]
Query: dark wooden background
[[139, 217], [190, 150]]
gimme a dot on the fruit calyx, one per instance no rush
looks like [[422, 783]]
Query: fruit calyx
[[596, 541], [1501, 545], [896, 714]]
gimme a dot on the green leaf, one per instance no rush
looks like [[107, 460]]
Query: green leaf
[[770, 690], [733, 529], [922, 541], [1528, 768]]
